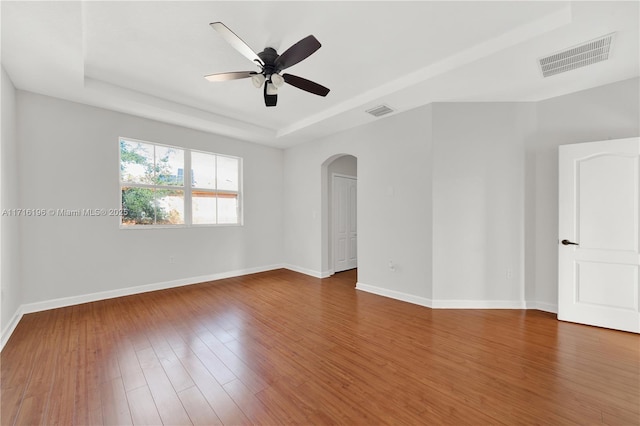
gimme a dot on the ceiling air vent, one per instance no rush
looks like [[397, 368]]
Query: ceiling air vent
[[579, 56], [379, 111]]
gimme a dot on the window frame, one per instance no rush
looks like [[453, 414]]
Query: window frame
[[187, 187]]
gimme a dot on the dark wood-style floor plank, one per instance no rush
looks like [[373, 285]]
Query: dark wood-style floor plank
[[283, 348], [88, 405]]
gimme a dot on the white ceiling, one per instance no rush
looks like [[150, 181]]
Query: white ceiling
[[148, 58]]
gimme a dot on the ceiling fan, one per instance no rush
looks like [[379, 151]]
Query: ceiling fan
[[271, 64]]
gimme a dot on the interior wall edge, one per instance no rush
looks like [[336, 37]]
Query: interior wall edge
[[306, 271], [393, 294], [10, 328], [478, 304], [543, 306]]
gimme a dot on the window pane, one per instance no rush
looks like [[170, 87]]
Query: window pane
[[203, 207], [169, 207], [228, 209], [136, 162], [203, 168], [169, 166], [139, 206], [228, 173], [154, 191]]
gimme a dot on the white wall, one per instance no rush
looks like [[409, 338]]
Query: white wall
[[69, 159], [10, 285], [461, 196], [345, 165], [606, 112], [440, 194], [394, 170], [478, 201]]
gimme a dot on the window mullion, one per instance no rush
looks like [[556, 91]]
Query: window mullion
[[137, 185], [188, 219], [216, 189], [239, 192], [155, 183]]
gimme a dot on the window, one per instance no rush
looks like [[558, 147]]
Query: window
[[168, 186], [215, 188]]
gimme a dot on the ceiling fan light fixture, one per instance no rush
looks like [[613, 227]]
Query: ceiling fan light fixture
[[271, 89], [257, 80], [277, 80]]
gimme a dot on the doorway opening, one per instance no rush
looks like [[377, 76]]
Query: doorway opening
[[339, 218]]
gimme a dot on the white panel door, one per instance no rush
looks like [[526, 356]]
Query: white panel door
[[599, 253], [352, 229], [345, 235]]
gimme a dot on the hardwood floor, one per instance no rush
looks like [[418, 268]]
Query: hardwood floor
[[283, 348]]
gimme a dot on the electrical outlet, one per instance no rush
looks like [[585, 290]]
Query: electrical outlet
[[172, 259], [509, 273]]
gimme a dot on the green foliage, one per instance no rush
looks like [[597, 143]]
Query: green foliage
[[140, 203], [130, 156]]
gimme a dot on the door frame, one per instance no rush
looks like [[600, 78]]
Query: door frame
[[332, 215], [326, 260]]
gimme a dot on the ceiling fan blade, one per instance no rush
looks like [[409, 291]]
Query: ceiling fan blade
[[296, 53], [235, 41], [306, 85], [225, 76]]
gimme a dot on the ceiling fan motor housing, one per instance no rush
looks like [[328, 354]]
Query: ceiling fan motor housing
[[268, 57]]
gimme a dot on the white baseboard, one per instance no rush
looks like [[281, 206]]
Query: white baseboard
[[478, 304], [442, 303], [8, 330], [327, 274], [310, 272], [543, 306], [110, 294], [405, 297]]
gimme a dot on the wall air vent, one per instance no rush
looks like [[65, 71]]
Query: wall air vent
[[579, 56], [380, 110]]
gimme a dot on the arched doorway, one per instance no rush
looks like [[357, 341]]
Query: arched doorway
[[339, 218]]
